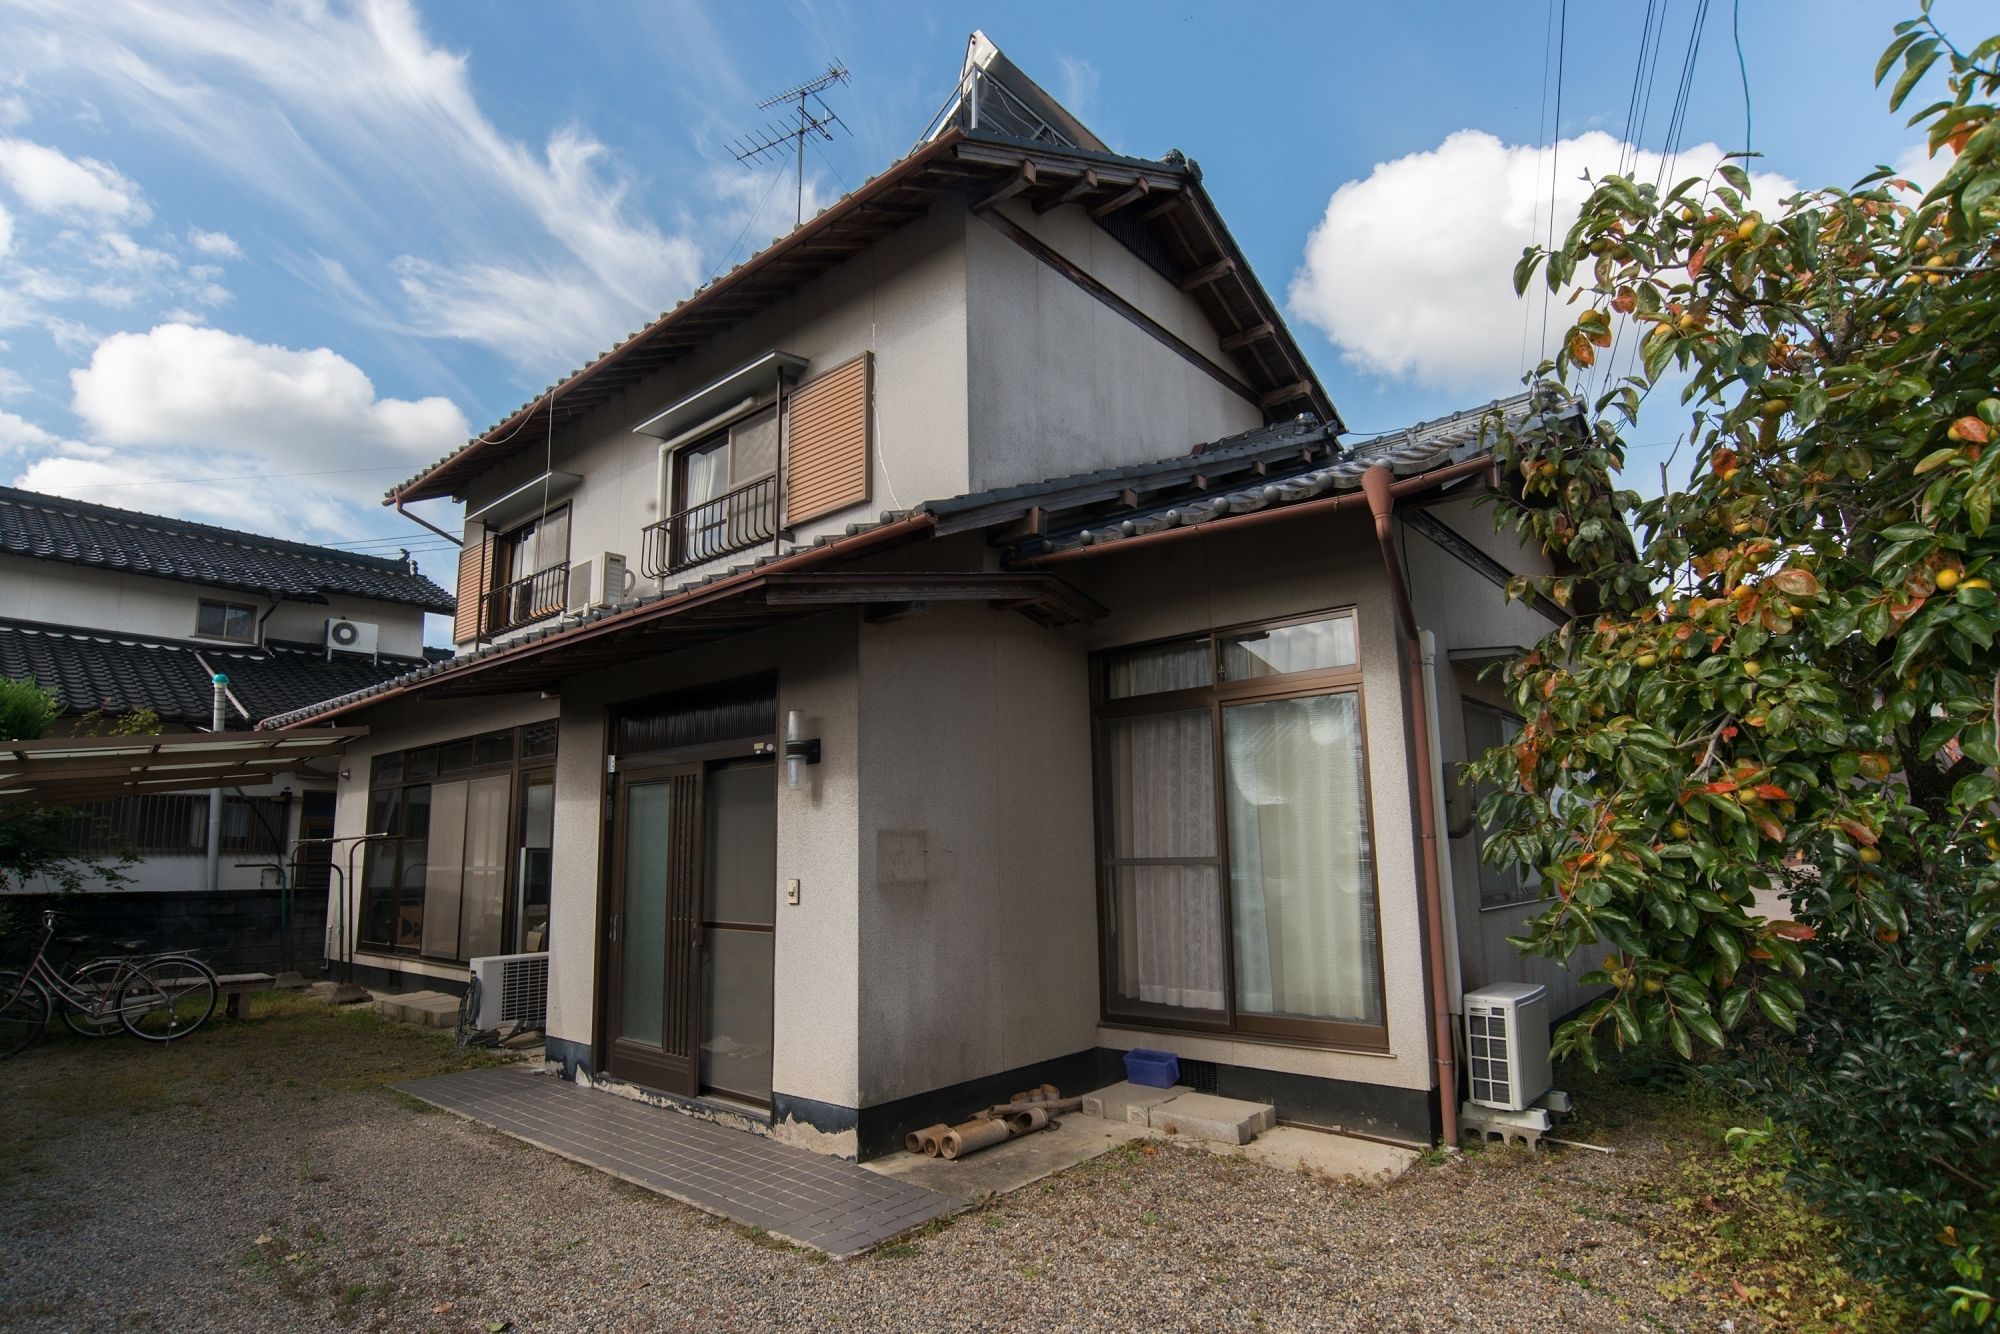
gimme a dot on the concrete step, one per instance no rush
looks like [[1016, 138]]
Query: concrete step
[[1178, 1110], [1205, 1116], [428, 1009]]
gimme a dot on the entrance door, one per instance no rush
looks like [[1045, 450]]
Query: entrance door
[[653, 930], [690, 929], [739, 904]]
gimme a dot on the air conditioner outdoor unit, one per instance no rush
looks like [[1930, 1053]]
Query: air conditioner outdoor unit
[[1507, 1044], [344, 636], [602, 582], [513, 990]]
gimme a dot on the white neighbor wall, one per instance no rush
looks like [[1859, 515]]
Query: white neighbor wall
[[58, 593]]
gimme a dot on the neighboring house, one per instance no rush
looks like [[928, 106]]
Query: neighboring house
[[116, 612], [948, 650]]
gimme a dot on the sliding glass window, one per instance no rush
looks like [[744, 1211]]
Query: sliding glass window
[[464, 869], [1238, 874]]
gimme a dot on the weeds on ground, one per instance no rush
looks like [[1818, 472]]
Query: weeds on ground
[[1724, 1218]]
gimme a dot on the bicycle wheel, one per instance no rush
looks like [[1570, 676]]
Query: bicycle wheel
[[24, 1011], [98, 980], [166, 999]]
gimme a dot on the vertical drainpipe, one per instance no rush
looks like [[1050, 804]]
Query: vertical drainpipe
[[216, 723], [1376, 484]]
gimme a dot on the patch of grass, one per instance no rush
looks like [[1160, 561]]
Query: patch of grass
[[1726, 1221]]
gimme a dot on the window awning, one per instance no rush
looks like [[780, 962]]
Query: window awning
[[62, 770]]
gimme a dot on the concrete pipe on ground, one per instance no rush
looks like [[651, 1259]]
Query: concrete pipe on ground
[[929, 1141], [972, 1136]]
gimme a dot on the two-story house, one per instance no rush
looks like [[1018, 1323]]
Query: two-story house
[[950, 649], [118, 612]]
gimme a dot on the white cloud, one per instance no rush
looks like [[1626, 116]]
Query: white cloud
[[17, 432], [177, 384], [6, 231], [13, 110], [48, 181], [12, 383], [353, 119], [1079, 83], [1410, 271], [220, 244], [202, 422]]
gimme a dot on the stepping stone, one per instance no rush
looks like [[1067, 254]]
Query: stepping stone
[[427, 1009], [1128, 1102], [1205, 1116]]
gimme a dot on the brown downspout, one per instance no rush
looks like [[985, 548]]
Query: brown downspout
[[1378, 485]]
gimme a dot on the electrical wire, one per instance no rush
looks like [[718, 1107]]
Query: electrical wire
[[1742, 67], [1535, 213], [1555, 158]]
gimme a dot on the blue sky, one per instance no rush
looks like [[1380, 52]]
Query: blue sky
[[258, 262]]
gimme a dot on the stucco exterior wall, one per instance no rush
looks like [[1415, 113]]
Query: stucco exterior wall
[[137, 604], [1059, 382], [1259, 574], [903, 300], [978, 917]]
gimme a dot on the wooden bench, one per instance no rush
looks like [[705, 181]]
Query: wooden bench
[[238, 988]]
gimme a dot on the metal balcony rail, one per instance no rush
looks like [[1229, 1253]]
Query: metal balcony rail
[[746, 517], [543, 593]]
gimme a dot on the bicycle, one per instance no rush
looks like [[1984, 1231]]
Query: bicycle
[[158, 998]]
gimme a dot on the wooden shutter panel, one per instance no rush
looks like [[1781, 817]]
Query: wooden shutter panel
[[826, 458], [475, 578]]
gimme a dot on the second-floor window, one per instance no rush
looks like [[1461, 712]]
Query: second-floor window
[[226, 620], [531, 570], [722, 491]]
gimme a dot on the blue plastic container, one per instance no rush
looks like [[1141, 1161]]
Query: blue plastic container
[[1154, 1069]]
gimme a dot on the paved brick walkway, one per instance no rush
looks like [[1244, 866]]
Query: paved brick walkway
[[826, 1203]]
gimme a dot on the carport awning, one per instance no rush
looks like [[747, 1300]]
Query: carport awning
[[64, 770]]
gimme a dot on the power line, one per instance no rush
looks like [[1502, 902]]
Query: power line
[[1535, 211], [246, 477], [1555, 157]]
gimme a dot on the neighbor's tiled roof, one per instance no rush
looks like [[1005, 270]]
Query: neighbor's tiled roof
[[55, 528], [119, 673]]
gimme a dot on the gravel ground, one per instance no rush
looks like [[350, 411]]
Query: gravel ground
[[261, 1177]]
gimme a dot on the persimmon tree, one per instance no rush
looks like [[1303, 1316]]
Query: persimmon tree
[[1787, 660]]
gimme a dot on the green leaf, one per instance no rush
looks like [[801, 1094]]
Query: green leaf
[[1704, 1027], [1922, 55], [1677, 1034], [1733, 1006], [1727, 947], [1777, 1011], [1889, 56]]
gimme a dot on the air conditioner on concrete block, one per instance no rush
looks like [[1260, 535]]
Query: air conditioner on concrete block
[[345, 636], [602, 582], [513, 990], [1507, 1044]]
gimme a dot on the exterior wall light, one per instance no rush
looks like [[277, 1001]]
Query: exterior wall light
[[800, 749]]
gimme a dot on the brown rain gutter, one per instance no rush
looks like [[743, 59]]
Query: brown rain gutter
[[1379, 486], [1304, 509]]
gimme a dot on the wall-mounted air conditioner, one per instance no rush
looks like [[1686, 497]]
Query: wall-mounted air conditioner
[[513, 990], [1507, 1044], [602, 582], [345, 636]]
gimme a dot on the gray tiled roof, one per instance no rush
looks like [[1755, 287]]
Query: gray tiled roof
[[1418, 448], [121, 673], [45, 527]]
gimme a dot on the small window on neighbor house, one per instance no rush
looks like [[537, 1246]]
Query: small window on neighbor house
[[1499, 887], [226, 620]]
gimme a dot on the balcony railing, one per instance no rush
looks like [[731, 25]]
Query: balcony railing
[[746, 517], [543, 593]]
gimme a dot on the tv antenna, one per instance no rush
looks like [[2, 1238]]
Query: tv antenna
[[773, 140]]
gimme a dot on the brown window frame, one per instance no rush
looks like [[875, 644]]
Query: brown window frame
[[683, 555], [248, 609], [520, 766], [508, 612], [1214, 697]]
